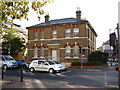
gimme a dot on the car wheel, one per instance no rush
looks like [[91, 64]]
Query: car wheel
[[32, 69], [51, 71], [4, 67]]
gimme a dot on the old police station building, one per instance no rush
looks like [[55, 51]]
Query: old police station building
[[60, 39]]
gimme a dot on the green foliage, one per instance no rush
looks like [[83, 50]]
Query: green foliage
[[19, 9], [13, 10], [16, 45], [98, 56], [12, 41]]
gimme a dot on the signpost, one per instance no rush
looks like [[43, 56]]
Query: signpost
[[118, 29]]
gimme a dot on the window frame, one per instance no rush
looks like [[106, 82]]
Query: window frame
[[54, 36], [67, 32], [67, 52], [74, 51], [35, 35], [76, 35], [41, 52], [35, 52], [41, 35]]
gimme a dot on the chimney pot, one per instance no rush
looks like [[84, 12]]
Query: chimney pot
[[78, 13], [47, 17]]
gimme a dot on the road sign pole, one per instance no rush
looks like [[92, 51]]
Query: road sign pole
[[118, 29]]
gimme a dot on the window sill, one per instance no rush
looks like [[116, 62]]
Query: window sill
[[67, 37], [54, 38], [67, 57], [35, 39], [75, 37], [42, 58], [34, 57], [76, 57]]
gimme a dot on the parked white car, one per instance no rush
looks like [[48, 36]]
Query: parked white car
[[46, 65], [8, 62]]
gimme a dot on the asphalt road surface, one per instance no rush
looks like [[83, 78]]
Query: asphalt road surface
[[106, 77]]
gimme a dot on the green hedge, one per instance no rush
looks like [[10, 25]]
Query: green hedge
[[87, 64]]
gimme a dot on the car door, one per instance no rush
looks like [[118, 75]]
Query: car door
[[43, 66]]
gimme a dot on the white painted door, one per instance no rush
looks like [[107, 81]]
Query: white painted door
[[54, 55]]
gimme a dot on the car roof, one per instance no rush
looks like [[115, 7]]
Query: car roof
[[42, 60]]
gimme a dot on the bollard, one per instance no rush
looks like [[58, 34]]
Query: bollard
[[2, 72], [21, 75]]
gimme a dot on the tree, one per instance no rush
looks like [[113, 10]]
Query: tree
[[12, 10], [13, 41], [17, 45], [19, 9], [98, 56]]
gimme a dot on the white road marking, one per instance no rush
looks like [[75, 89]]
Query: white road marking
[[59, 74], [39, 83]]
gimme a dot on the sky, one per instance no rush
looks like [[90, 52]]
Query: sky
[[102, 15]]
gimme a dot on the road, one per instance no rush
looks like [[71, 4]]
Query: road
[[106, 77]]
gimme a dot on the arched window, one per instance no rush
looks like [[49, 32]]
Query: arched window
[[67, 51], [76, 51], [42, 52], [35, 52]]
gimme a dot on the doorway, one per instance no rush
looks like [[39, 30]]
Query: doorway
[[54, 54]]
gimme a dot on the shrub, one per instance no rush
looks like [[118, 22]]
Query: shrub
[[87, 64], [98, 56]]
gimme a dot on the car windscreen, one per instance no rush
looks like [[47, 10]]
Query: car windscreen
[[56, 62], [8, 58], [20, 60], [51, 63]]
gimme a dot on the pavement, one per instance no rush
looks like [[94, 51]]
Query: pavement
[[16, 83]]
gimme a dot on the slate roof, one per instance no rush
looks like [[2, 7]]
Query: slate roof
[[58, 21], [61, 21]]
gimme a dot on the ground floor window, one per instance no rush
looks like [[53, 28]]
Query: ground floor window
[[42, 52], [67, 51], [35, 52], [76, 51]]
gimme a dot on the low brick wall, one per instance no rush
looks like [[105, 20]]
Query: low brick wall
[[89, 66], [68, 64]]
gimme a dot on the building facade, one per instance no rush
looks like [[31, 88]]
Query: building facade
[[61, 39], [106, 48]]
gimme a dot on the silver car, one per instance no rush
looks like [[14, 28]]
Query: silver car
[[46, 65]]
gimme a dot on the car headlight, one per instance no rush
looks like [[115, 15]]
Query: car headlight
[[10, 62]]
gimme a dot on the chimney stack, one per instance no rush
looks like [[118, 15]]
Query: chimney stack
[[78, 13], [47, 17]]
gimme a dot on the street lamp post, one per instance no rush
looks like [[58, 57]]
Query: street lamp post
[[118, 29]]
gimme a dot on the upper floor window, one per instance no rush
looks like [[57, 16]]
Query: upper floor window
[[67, 51], [41, 35], [35, 35], [76, 32], [67, 33], [35, 52], [54, 34]]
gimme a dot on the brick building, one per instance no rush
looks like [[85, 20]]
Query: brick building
[[60, 39]]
